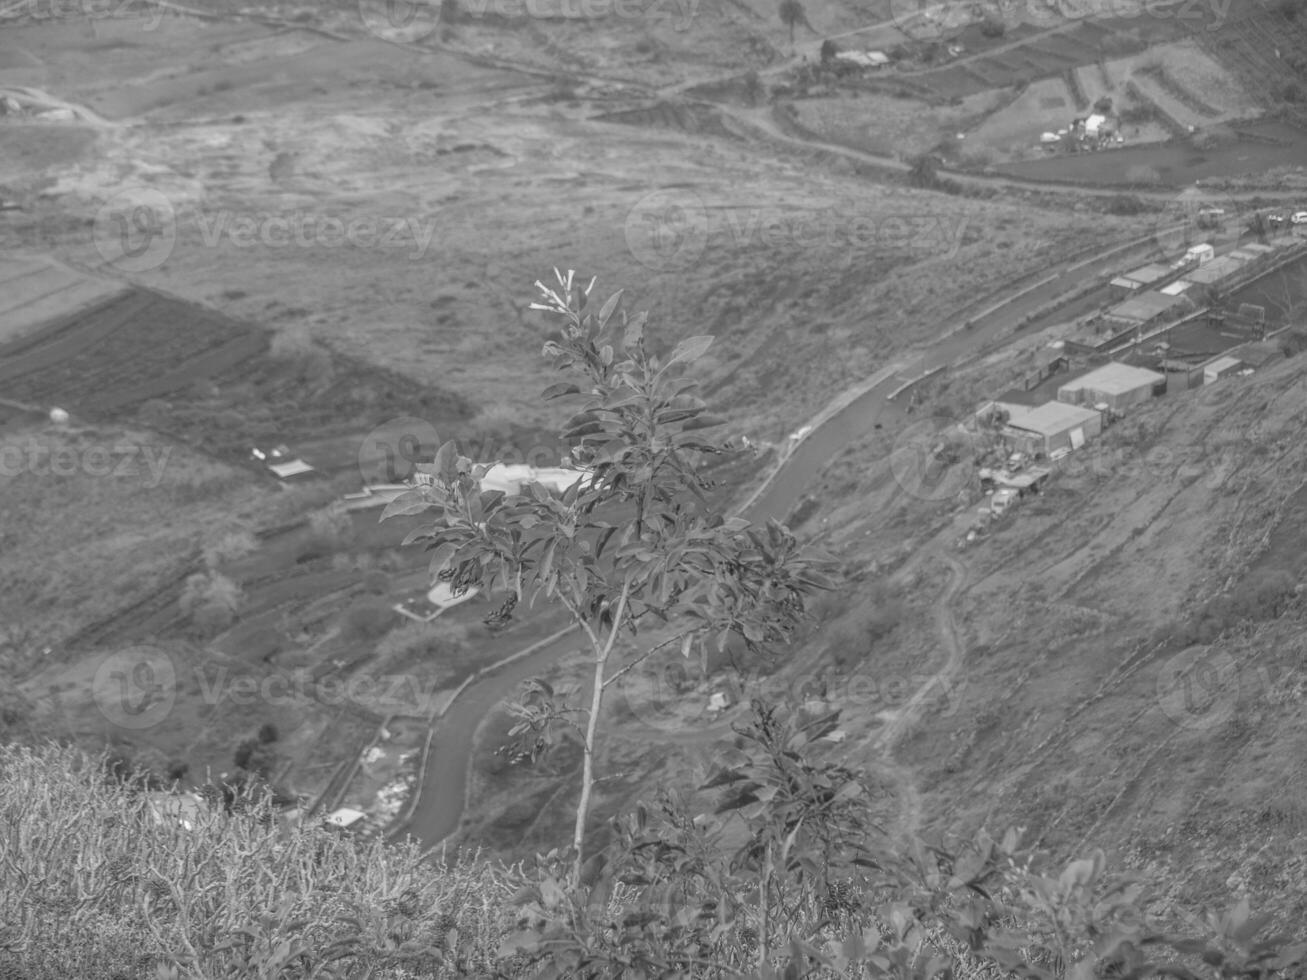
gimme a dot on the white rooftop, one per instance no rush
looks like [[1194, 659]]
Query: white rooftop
[[1050, 418], [345, 817], [293, 468], [1115, 379]]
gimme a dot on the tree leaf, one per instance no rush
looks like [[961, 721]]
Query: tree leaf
[[703, 422], [411, 502], [690, 349], [609, 306], [634, 331], [561, 389]]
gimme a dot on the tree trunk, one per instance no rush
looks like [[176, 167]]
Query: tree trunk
[[591, 731]]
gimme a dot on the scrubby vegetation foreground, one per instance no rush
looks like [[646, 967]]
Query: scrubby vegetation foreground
[[97, 881]]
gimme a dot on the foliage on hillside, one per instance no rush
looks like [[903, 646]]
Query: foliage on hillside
[[100, 880]]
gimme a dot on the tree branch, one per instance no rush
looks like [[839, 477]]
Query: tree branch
[[649, 653]]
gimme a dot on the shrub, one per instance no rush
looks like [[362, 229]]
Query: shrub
[[211, 600], [330, 530], [993, 26], [377, 581], [267, 732], [230, 546], [366, 621]]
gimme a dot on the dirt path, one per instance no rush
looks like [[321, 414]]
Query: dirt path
[[946, 626]]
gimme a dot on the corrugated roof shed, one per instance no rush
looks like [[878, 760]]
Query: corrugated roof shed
[[1149, 273], [1115, 379], [1215, 270], [1175, 288], [1051, 418], [1143, 307], [1121, 282]]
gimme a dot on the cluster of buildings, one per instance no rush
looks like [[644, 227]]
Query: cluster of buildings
[[1093, 132], [1084, 406], [1156, 294]]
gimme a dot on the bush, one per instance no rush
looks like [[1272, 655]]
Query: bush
[[377, 581], [211, 601], [230, 546], [366, 621], [330, 529], [1292, 92], [267, 732], [1125, 204], [993, 26]]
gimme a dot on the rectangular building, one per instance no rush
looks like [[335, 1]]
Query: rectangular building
[[1214, 271], [1052, 426], [1175, 288], [1146, 275], [1145, 307], [1220, 368], [1120, 386]]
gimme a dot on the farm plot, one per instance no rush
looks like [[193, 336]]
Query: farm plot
[[886, 125], [34, 291], [1045, 105], [126, 350], [313, 398]]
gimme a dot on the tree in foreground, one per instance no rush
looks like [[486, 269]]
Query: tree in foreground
[[635, 550]]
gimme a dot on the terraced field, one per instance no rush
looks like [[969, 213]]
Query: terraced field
[[34, 290], [134, 346]]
